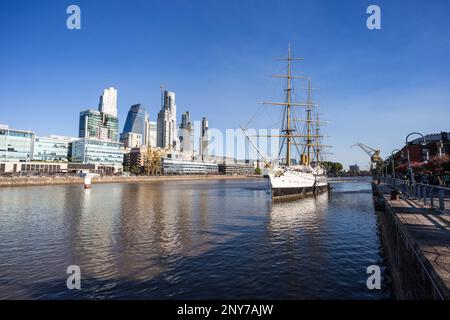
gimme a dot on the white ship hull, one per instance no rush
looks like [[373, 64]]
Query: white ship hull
[[296, 182]]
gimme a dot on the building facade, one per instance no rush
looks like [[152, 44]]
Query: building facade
[[136, 157], [53, 148], [354, 168], [98, 125], [150, 133], [136, 121], [131, 139], [185, 167], [16, 145], [204, 140], [97, 152], [186, 132], [167, 122], [32, 167], [108, 102]]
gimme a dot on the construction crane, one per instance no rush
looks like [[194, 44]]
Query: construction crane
[[374, 154], [153, 160]]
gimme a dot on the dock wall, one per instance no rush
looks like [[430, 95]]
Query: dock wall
[[412, 276]]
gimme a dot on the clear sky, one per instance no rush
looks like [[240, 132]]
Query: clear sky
[[376, 86]]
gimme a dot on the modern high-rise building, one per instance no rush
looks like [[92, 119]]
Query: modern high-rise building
[[203, 143], [150, 133], [167, 122], [108, 102], [98, 125], [136, 122], [186, 132]]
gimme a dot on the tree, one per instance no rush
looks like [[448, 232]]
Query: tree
[[333, 167]]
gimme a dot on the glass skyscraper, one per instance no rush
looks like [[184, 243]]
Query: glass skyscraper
[[98, 125], [136, 121]]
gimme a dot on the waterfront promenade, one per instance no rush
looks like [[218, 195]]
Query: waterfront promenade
[[61, 180], [417, 242]]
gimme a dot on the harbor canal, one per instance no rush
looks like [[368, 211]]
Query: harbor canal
[[219, 239]]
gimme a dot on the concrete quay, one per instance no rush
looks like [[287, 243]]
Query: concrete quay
[[416, 241], [60, 180]]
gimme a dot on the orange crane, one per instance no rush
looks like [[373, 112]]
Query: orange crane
[[374, 154]]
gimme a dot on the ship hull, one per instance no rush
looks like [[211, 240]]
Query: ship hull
[[294, 184], [293, 193]]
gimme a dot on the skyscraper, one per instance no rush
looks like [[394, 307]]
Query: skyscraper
[[108, 102], [136, 121], [203, 143], [150, 133], [98, 125], [186, 132], [167, 122]]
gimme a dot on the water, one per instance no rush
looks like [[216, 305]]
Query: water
[[188, 240]]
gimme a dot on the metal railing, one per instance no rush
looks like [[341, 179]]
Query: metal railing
[[432, 196]]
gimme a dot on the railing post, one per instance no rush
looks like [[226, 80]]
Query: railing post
[[424, 194], [431, 196], [441, 199]]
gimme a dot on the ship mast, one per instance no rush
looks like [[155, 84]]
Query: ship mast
[[310, 139], [288, 130]]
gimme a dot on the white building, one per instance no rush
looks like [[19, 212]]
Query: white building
[[204, 140], [186, 132], [108, 102], [98, 152], [52, 148], [16, 145], [167, 121], [150, 133], [131, 139]]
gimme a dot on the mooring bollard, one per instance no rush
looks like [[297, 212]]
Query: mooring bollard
[[394, 195]]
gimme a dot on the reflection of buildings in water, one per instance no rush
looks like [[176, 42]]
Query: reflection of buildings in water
[[96, 236]]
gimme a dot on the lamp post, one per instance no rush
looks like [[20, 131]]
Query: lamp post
[[393, 162], [410, 173], [385, 165]]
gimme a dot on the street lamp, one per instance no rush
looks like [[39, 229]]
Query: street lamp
[[385, 166], [410, 173], [393, 162]]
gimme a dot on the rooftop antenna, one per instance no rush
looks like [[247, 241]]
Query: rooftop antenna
[[161, 87]]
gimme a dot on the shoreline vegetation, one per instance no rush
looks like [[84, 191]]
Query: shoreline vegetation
[[62, 180]]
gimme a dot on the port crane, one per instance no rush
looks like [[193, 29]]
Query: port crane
[[374, 154]]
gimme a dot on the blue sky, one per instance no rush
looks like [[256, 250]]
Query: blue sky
[[375, 86]]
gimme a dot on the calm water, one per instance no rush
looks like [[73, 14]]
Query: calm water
[[190, 239]]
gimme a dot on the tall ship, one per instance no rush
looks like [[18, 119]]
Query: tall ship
[[300, 174]]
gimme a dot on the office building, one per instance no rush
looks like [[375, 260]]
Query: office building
[[131, 139], [108, 102], [98, 125], [150, 133], [166, 123], [186, 132], [237, 168], [137, 119], [186, 167], [136, 157], [354, 168], [16, 145], [203, 143], [32, 167], [97, 152], [52, 148]]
